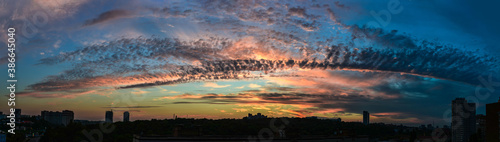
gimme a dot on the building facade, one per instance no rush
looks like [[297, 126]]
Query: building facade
[[463, 123], [126, 116], [58, 118], [481, 127], [493, 122], [109, 117], [366, 117]]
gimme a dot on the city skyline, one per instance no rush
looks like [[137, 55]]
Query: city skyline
[[365, 119], [402, 61], [466, 124]]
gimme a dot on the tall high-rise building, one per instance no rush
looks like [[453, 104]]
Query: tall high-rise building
[[493, 122], [481, 127], [366, 117], [463, 123], [126, 116], [109, 116]]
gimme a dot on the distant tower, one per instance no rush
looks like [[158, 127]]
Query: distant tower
[[463, 122], [366, 117], [126, 116], [109, 116]]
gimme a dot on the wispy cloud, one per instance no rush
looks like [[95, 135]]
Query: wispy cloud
[[254, 86], [108, 16], [214, 85], [450, 64]]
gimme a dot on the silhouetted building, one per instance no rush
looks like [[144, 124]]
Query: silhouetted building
[[333, 119], [481, 127], [430, 127], [366, 117], [18, 113], [422, 127], [3, 137], [58, 118], [338, 120], [258, 116], [492, 122], [312, 117], [126, 116], [67, 117], [463, 123], [109, 117]]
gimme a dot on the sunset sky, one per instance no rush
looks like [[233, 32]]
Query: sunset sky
[[225, 59]]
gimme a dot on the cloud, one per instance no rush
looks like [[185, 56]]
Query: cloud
[[306, 26], [298, 11], [108, 16], [214, 85], [59, 8], [168, 12], [391, 39], [351, 98], [428, 61], [303, 104], [254, 40], [57, 44], [254, 86], [337, 92], [139, 92], [70, 94], [332, 16], [240, 109], [338, 4]]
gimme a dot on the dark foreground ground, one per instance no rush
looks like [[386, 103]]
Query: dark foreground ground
[[276, 129]]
